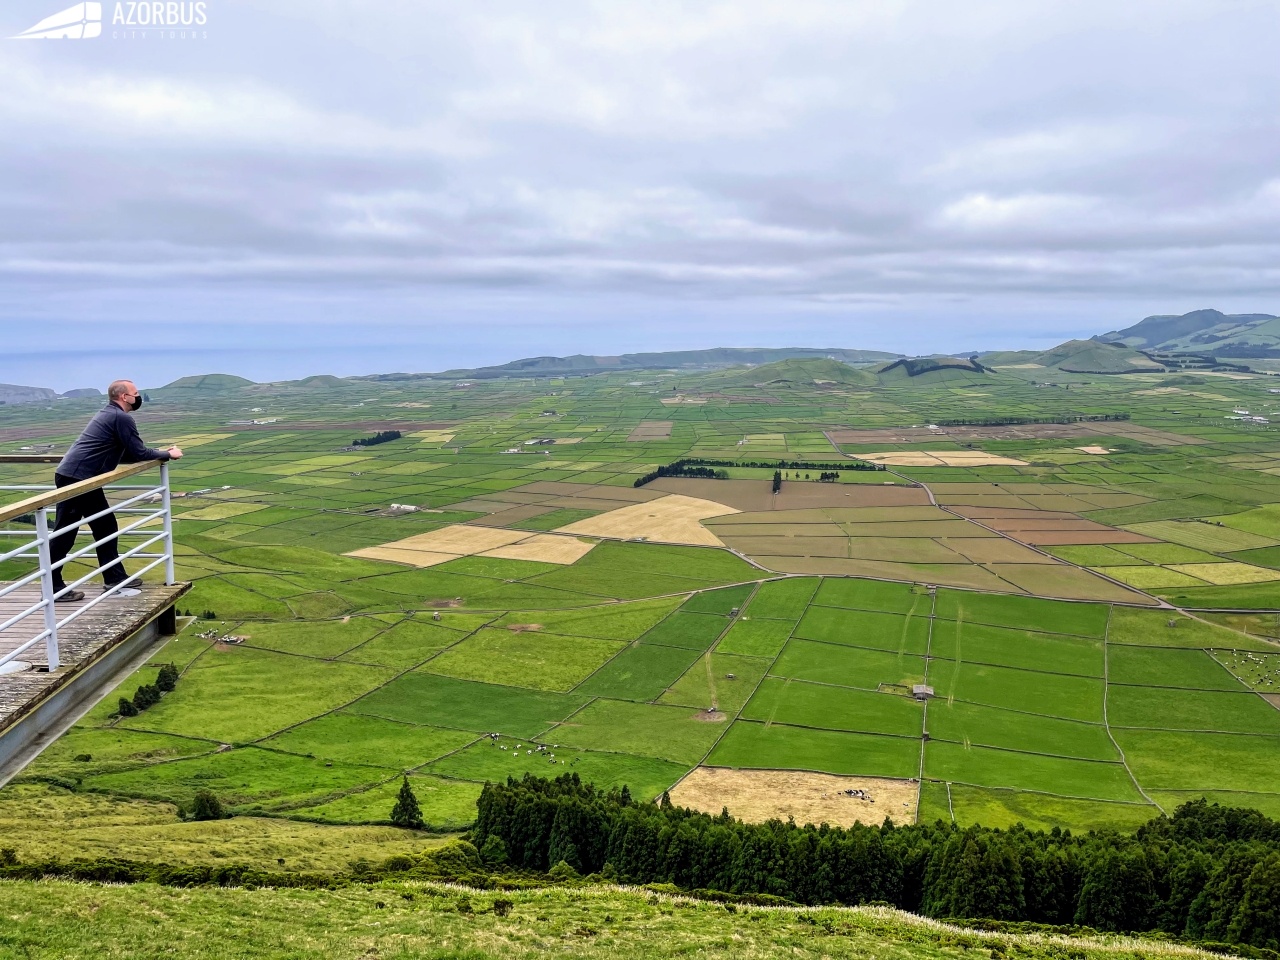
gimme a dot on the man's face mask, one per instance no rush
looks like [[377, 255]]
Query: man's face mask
[[137, 402]]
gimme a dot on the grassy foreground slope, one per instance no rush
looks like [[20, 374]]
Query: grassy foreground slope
[[427, 920]]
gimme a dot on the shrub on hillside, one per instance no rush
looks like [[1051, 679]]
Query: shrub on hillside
[[167, 678], [126, 708], [206, 806]]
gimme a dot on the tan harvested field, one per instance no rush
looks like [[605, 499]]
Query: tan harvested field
[[585, 503], [945, 574], [757, 495], [817, 798], [464, 540], [953, 527], [744, 495], [994, 550], [650, 430], [986, 512], [798, 530], [1020, 524], [789, 546], [459, 538], [413, 558], [510, 514], [1063, 538], [545, 548], [220, 511], [1022, 431], [942, 458], [1068, 583], [902, 550], [1132, 431], [887, 514], [670, 519], [1096, 450], [799, 496], [1226, 573], [561, 488], [433, 436], [670, 401]]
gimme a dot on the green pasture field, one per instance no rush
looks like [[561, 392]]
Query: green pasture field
[[405, 644], [871, 595], [271, 691], [445, 804], [1266, 803], [1152, 666], [311, 638], [465, 705], [679, 734], [621, 621], [640, 672], [756, 638], [987, 767], [540, 661], [1209, 537], [1002, 807], [1171, 709], [970, 723], [720, 602], [647, 777], [863, 628], [362, 740], [782, 599], [1183, 761], [112, 750], [717, 680], [1047, 694], [1009, 647], [799, 704], [847, 666], [1150, 628], [752, 745], [247, 778], [1096, 556], [1025, 613], [692, 631]]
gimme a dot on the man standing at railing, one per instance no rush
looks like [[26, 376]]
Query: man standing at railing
[[111, 438]]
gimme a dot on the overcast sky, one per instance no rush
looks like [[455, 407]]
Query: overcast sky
[[358, 187]]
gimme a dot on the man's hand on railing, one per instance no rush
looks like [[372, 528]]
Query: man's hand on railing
[[175, 453]]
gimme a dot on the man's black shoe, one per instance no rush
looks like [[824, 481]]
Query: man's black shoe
[[71, 596]]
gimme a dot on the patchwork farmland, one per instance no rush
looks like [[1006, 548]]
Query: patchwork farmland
[[1054, 623]]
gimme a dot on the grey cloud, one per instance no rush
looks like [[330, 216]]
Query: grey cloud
[[1088, 160]]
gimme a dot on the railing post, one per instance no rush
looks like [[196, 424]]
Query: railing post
[[168, 523], [46, 588]]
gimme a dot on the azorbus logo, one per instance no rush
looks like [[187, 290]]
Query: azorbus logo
[[81, 22], [84, 20]]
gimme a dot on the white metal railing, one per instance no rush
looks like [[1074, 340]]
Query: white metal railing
[[137, 512]]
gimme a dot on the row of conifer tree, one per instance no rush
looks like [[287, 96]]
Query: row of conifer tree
[[1207, 872]]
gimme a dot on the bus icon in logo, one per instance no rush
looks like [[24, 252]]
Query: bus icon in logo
[[81, 22]]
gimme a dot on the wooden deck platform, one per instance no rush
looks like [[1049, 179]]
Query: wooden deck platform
[[82, 643]]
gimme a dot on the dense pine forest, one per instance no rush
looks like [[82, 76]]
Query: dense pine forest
[[1207, 873]]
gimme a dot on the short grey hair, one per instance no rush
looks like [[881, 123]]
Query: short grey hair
[[118, 389]]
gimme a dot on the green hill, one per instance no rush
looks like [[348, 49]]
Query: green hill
[[209, 382], [1092, 356], [317, 381], [1206, 332], [923, 370], [436, 920], [818, 371]]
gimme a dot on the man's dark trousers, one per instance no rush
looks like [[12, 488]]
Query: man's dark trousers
[[70, 514]]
